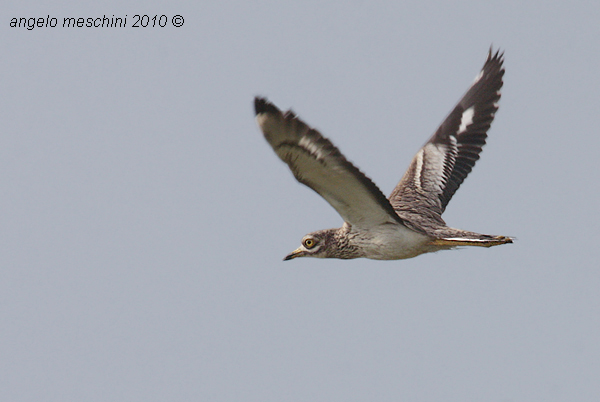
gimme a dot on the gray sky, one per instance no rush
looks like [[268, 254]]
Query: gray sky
[[143, 218]]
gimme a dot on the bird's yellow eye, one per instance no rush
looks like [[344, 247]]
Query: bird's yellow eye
[[309, 243]]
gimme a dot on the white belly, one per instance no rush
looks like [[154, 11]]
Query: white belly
[[391, 242]]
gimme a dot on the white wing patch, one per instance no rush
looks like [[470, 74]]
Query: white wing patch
[[312, 147], [418, 169], [476, 80], [453, 141], [466, 120], [429, 168]]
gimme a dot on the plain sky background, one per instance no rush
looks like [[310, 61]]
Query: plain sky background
[[143, 218]]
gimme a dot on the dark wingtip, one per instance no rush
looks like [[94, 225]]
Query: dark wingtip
[[262, 105], [498, 56]]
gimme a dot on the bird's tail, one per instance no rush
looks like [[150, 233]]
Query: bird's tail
[[464, 238]]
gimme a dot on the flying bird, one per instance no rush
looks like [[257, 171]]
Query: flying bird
[[409, 222]]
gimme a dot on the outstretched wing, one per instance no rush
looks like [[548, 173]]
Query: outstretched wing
[[316, 162], [440, 167]]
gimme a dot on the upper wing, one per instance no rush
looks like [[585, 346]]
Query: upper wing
[[316, 162], [439, 168]]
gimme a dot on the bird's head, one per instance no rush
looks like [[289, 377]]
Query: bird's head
[[319, 244]]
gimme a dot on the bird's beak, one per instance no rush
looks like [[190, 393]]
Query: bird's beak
[[299, 252]]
